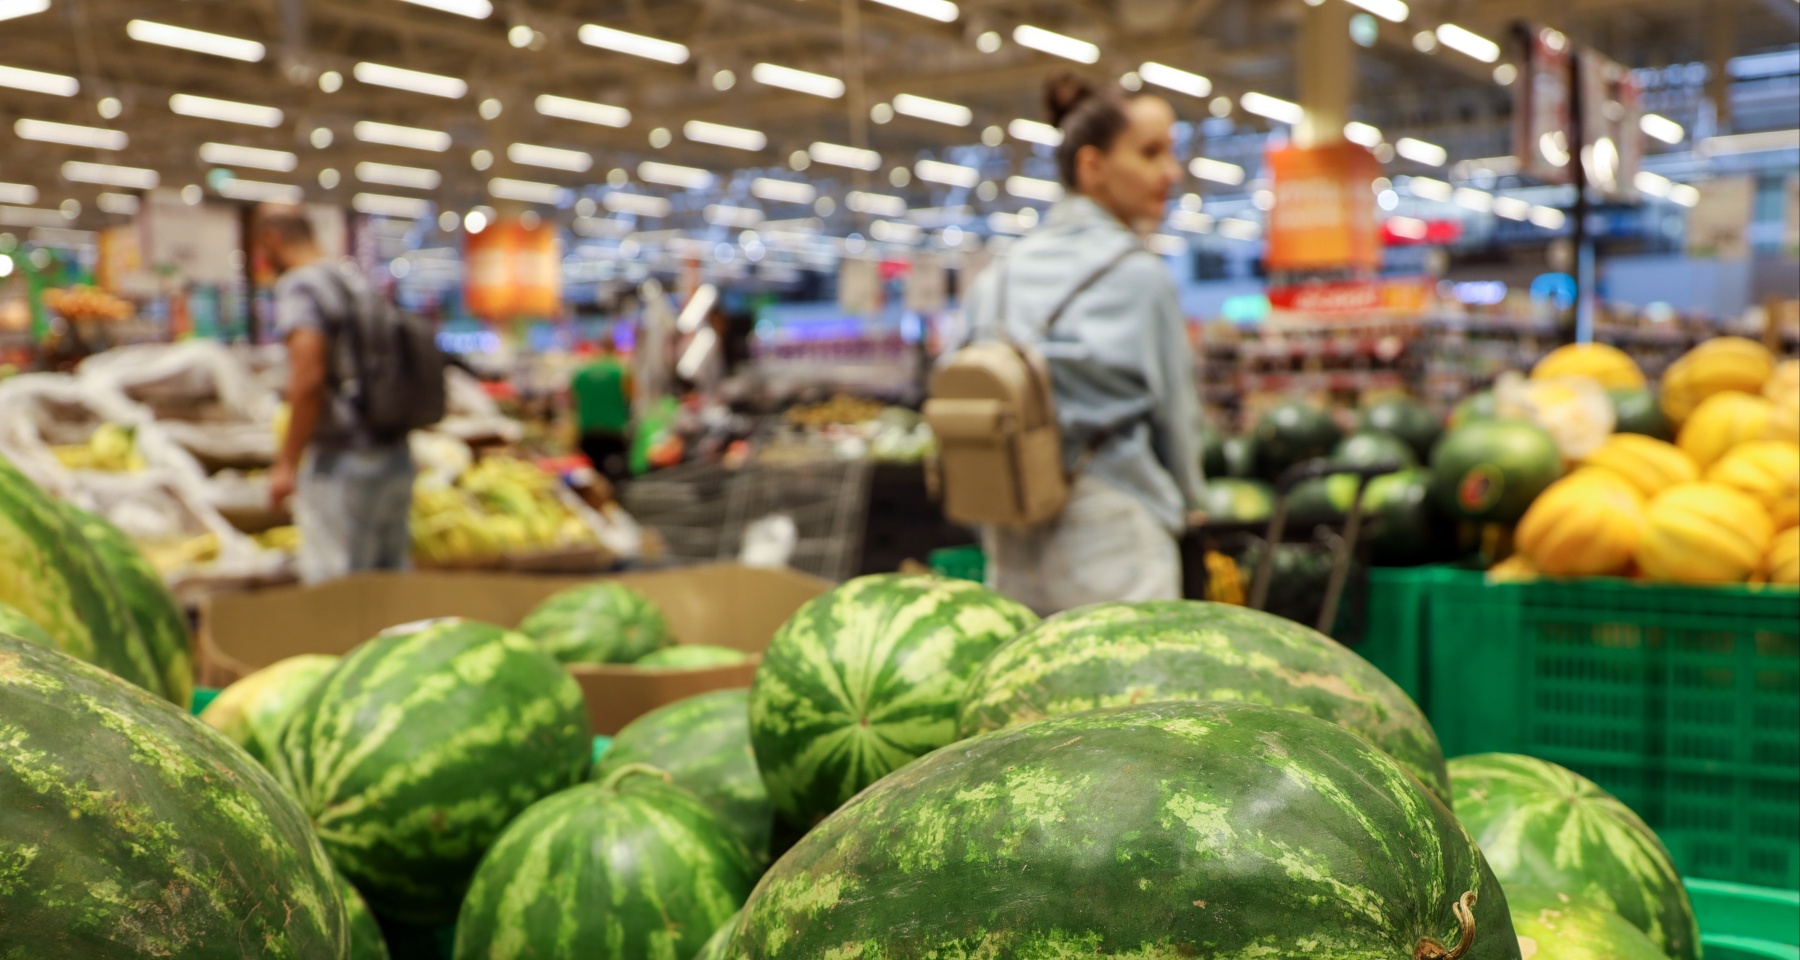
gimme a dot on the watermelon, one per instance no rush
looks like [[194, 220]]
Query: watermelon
[[630, 868], [51, 575], [253, 711], [133, 830], [421, 745], [1112, 654], [692, 656], [703, 743], [1298, 576], [1406, 419], [1212, 453], [1489, 471], [1156, 831], [14, 623], [1289, 433], [1240, 457], [1322, 499], [866, 677], [1230, 500], [1544, 825], [366, 941], [1556, 926], [1639, 411], [718, 947], [1369, 447], [160, 620], [1474, 407], [601, 622], [1399, 516]]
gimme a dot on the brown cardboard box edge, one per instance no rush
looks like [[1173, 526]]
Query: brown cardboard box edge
[[729, 605]]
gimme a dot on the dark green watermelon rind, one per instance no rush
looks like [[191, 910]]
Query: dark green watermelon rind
[[718, 946], [14, 623], [1115, 654], [415, 752], [366, 941], [1562, 927], [1543, 825], [865, 678], [159, 618], [637, 871], [1406, 419], [600, 622], [1155, 832], [130, 829]]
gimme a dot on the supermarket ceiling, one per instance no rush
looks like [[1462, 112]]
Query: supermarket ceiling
[[437, 98]]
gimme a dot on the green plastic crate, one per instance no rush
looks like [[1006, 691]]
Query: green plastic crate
[[1683, 701], [1739, 922], [963, 563]]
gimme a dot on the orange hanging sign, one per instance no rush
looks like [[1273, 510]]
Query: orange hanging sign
[[513, 271], [1324, 214]]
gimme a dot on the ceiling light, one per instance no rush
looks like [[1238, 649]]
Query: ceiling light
[[1034, 131], [1030, 188], [1362, 133], [1009, 223], [109, 108], [394, 175], [70, 134], [1469, 198], [637, 45], [1430, 189], [584, 111], [554, 158], [490, 108], [526, 191], [1191, 221], [19, 193], [320, 138], [800, 81], [1652, 184], [232, 155], [1176, 79], [952, 174], [1218, 171], [636, 204], [257, 191], [120, 204], [943, 11], [1419, 151], [925, 108], [31, 217], [1549, 218], [1512, 208], [1662, 128], [1505, 74], [1424, 41], [723, 215], [226, 111], [1408, 228], [382, 205], [10, 9], [37, 81], [718, 134], [888, 231], [838, 155], [415, 81], [110, 175], [1055, 44], [197, 41], [1468, 42], [1685, 194], [875, 204], [688, 178], [782, 191], [1272, 108], [939, 216], [394, 135], [1392, 10], [988, 42], [473, 9], [1751, 142]]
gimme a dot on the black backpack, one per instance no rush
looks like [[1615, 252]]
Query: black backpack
[[397, 365]]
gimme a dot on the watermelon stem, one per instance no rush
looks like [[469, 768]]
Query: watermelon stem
[[1430, 949], [631, 770]]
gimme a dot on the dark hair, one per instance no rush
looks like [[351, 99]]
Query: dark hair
[[290, 224], [1088, 116]]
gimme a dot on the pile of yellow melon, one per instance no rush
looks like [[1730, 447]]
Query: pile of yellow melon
[[1719, 505]]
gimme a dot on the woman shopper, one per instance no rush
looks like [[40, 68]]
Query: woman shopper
[[1118, 355]]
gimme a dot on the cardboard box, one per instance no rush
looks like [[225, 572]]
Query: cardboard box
[[724, 604]]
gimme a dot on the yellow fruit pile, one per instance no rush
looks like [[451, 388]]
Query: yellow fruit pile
[[111, 448], [500, 506]]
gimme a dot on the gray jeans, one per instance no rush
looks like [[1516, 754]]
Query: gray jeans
[[1106, 545], [352, 508]]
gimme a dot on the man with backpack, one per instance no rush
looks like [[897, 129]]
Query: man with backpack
[[361, 376]]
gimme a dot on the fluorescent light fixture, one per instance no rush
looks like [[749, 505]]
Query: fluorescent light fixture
[[1685, 194], [1751, 142], [1468, 43], [197, 41], [1391, 10], [225, 111], [1009, 223], [583, 111], [1549, 218], [951, 174], [1512, 208], [724, 215], [1166, 245], [636, 204], [1218, 171], [394, 135], [1419, 151], [1652, 184], [19, 193], [1055, 44], [891, 231], [1430, 189], [120, 204], [473, 9], [1272, 108], [1358, 132], [1175, 78], [1469, 198], [526, 191], [1191, 221], [414, 81], [110, 175], [782, 191], [799, 81], [31, 217], [395, 175], [693, 313], [1410, 228], [939, 216], [382, 205], [70, 134], [10, 9], [1031, 188], [943, 11], [838, 155], [1034, 131], [232, 155], [37, 81], [938, 111], [258, 191], [1662, 128], [635, 44], [554, 158], [875, 204], [1485, 167], [720, 135], [688, 178]]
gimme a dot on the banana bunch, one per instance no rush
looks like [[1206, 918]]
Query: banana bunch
[[194, 551], [286, 538], [499, 506], [112, 448]]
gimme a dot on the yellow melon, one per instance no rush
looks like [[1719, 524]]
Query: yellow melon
[[1783, 390], [1703, 533], [1783, 565], [1609, 366], [1715, 366], [1649, 465], [1768, 470], [1584, 525], [1785, 379], [1723, 421]]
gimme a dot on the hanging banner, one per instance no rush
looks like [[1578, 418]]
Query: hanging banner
[[1324, 215], [1541, 107], [1612, 143], [513, 271]]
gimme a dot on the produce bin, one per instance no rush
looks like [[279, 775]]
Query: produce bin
[[962, 563], [1683, 701], [1739, 922]]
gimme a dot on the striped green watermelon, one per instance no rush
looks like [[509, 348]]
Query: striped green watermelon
[[703, 742], [1544, 825], [1556, 926], [1113, 654], [48, 571], [1154, 832], [630, 868], [14, 623], [718, 946], [159, 618], [416, 751], [692, 656], [366, 941], [253, 711], [129, 829], [600, 622], [866, 677]]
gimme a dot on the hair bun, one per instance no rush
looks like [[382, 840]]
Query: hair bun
[[1063, 92]]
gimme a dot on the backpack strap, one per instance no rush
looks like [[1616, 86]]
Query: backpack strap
[[350, 324]]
